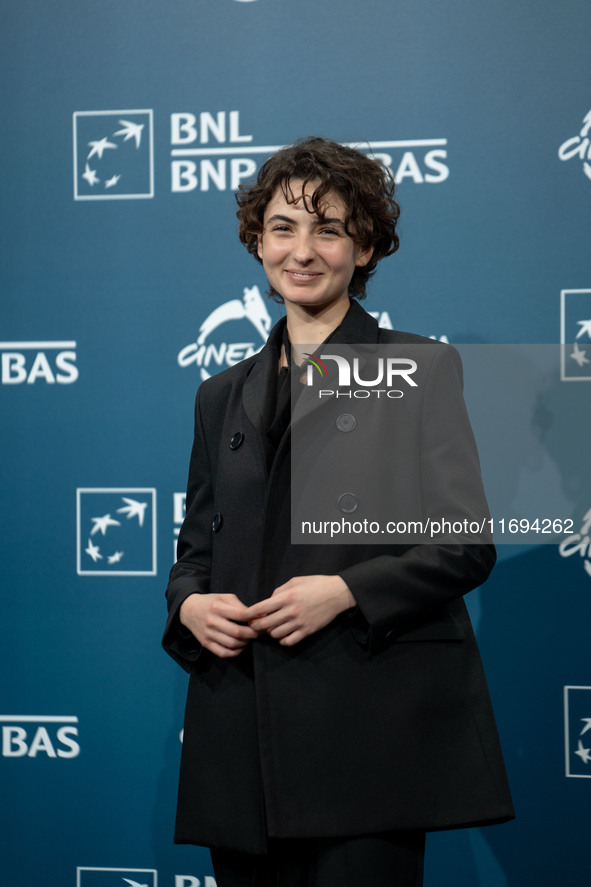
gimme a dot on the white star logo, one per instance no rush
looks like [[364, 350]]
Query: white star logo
[[101, 524], [115, 558], [134, 509], [90, 175], [110, 183], [585, 328], [583, 753], [130, 131], [587, 722], [578, 355], [99, 147], [93, 551]]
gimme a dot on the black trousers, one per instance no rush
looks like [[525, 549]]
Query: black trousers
[[390, 859]]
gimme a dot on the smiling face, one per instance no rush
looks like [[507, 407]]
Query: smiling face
[[309, 259]]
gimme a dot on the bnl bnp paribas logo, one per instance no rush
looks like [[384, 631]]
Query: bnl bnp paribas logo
[[44, 736], [577, 731], [575, 335], [209, 151], [46, 363], [113, 155], [116, 531]]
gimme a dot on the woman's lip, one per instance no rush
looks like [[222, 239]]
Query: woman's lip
[[303, 275]]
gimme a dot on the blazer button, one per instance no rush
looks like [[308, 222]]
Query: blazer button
[[236, 440], [348, 503], [346, 422], [216, 522]]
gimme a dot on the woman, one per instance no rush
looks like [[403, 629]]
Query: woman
[[337, 707]]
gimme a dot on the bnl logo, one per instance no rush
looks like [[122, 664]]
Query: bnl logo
[[577, 731], [113, 155], [116, 531], [89, 876], [575, 335]]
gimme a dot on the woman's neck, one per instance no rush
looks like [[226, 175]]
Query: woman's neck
[[311, 327]]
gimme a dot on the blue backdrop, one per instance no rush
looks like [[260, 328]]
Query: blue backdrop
[[126, 127]]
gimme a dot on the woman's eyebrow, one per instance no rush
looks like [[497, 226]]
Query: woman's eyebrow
[[321, 220], [279, 218]]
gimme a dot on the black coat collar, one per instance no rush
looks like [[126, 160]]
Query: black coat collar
[[357, 327]]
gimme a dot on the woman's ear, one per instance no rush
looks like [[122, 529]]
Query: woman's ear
[[260, 246], [363, 257]]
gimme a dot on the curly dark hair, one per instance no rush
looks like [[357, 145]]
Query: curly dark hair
[[364, 184]]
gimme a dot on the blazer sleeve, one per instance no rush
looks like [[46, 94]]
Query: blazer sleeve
[[410, 585], [191, 572]]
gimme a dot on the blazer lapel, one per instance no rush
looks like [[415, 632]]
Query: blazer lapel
[[260, 385], [357, 328]]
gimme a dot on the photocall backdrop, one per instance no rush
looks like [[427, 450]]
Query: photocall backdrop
[[126, 129]]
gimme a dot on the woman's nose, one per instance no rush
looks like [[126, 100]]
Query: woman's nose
[[303, 250]]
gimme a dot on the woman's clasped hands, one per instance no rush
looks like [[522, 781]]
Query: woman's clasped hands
[[225, 626]]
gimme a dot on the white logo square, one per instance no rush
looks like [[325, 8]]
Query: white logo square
[[116, 531], [113, 155]]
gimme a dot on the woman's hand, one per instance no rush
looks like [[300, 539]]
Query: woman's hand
[[301, 607], [218, 622]]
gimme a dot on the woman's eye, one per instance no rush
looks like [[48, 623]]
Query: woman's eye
[[331, 231], [280, 228]]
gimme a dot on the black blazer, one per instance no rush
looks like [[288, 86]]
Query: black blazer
[[381, 720]]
